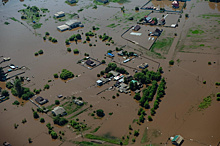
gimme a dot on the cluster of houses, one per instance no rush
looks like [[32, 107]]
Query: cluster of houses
[[149, 20]]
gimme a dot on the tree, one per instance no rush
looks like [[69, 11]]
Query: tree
[[40, 51], [103, 61], [78, 36], [136, 9], [47, 33], [55, 76], [136, 133], [2, 74], [150, 118], [29, 140], [53, 135], [155, 20], [76, 51], [42, 120], [130, 128], [46, 86], [186, 15], [57, 102], [67, 42], [171, 62], [218, 94], [160, 70], [146, 105], [35, 114], [137, 96], [5, 93], [18, 87], [87, 38], [140, 111], [100, 113], [66, 74], [152, 111], [141, 118]]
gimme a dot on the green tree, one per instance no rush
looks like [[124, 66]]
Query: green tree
[[137, 96], [150, 118], [46, 86], [42, 120], [136, 133], [55, 76], [18, 87], [53, 135], [100, 113], [78, 36], [160, 70], [57, 102], [87, 38], [5, 93], [146, 105], [141, 118], [136, 9], [152, 111], [171, 62], [35, 114], [2, 74]]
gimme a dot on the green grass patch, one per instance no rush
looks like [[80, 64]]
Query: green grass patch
[[44, 10], [145, 137], [6, 23], [85, 143], [96, 129], [78, 113], [162, 45], [113, 25], [71, 107], [197, 31], [50, 107], [13, 18], [37, 25], [106, 138], [205, 103], [207, 16]]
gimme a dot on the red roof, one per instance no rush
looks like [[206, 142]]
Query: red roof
[[152, 22]]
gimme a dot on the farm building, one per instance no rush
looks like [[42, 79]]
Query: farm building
[[62, 27], [59, 14], [143, 65], [59, 111], [78, 102], [90, 63], [99, 82], [41, 100], [137, 27], [73, 23], [177, 140], [114, 73]]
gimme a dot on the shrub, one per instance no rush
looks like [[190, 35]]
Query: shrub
[[46, 86], [79, 98], [40, 51], [76, 51], [5, 93], [98, 75], [54, 40], [218, 98], [217, 83], [36, 53], [117, 94], [84, 42], [150, 118], [55, 76], [136, 9], [47, 33], [66, 74], [50, 38], [113, 96], [186, 15], [218, 94], [90, 45], [69, 49], [29, 140], [100, 113], [24, 121], [53, 135], [133, 140], [209, 63], [16, 102], [35, 114], [204, 82], [136, 133], [87, 38], [44, 38], [171, 62], [57, 102], [42, 120], [67, 42], [103, 62]]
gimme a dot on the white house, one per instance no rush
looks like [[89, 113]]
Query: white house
[[59, 14], [73, 23]]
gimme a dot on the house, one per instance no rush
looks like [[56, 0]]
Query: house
[[78, 102], [162, 21], [102, 1], [41, 100], [120, 53], [110, 54], [60, 96], [90, 63], [59, 111], [157, 32], [147, 19], [177, 140], [173, 25], [138, 83], [125, 61], [105, 80], [71, 1], [115, 73], [63, 27], [175, 4], [137, 27], [73, 23], [6, 144], [99, 82], [143, 65], [59, 14], [123, 88]]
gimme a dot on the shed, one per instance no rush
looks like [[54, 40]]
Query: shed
[[177, 140], [99, 82], [115, 73], [143, 65], [73, 23], [59, 14], [90, 63], [59, 111], [137, 27], [110, 54], [41, 100], [126, 60], [63, 27]]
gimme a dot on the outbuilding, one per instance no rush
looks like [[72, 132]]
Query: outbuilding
[[137, 27], [59, 111], [177, 140], [59, 14], [73, 23], [63, 27], [99, 82]]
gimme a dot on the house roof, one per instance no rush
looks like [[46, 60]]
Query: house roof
[[71, 22], [110, 54], [178, 139], [39, 99], [114, 73], [89, 62], [137, 27], [99, 81], [59, 110]]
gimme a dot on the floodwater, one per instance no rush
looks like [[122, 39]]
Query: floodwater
[[177, 114]]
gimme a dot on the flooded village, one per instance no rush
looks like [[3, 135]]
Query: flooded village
[[110, 72]]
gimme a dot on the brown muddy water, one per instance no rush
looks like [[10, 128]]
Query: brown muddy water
[[178, 112]]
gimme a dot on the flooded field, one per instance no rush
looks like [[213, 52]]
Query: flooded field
[[193, 46]]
